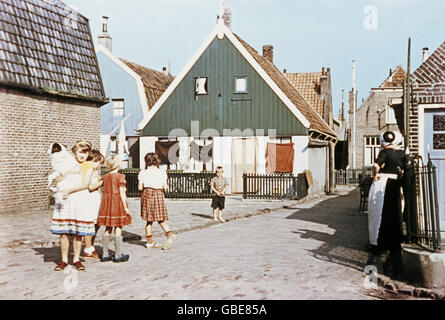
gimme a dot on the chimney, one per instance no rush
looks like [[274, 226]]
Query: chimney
[[105, 38], [226, 14], [322, 72], [164, 71], [285, 71], [425, 54], [169, 68], [268, 53]]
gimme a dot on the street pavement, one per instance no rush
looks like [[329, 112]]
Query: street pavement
[[275, 250]]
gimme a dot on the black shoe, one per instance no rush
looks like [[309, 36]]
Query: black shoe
[[123, 258], [105, 259]]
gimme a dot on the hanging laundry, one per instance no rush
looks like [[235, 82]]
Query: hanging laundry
[[279, 157], [162, 149]]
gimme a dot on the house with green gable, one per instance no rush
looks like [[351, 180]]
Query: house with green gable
[[231, 107]]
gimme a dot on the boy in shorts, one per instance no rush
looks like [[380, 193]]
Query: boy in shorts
[[219, 186]]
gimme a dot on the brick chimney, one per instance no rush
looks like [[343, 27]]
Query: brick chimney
[[268, 52], [105, 38]]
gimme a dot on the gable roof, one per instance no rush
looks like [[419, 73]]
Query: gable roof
[[308, 84], [395, 79], [155, 82], [316, 122], [429, 78], [47, 46], [267, 70], [433, 69]]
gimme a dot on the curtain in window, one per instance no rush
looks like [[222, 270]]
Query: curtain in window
[[162, 149], [279, 157]]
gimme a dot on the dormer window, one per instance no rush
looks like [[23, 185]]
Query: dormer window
[[201, 85], [240, 84]]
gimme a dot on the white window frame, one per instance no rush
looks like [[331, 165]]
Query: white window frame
[[390, 115], [371, 149], [245, 78], [118, 111], [201, 86]]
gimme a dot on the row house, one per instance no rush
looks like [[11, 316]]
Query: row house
[[375, 115], [50, 91], [231, 106], [132, 90], [427, 117]]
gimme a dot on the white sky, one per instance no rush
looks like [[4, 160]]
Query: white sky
[[306, 34]]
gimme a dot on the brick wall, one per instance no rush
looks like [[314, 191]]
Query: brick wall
[[428, 87], [28, 124], [370, 122]]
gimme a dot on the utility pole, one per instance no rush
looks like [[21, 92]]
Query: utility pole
[[407, 95], [353, 115]]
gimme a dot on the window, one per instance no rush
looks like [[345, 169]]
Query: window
[[240, 84], [200, 86], [118, 107], [372, 148], [390, 115]]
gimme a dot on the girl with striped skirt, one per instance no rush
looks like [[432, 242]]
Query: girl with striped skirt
[[152, 183]]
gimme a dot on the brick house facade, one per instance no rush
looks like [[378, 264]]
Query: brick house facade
[[374, 117], [50, 91], [30, 122], [427, 91]]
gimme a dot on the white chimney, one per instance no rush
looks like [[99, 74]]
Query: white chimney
[[105, 38], [425, 54]]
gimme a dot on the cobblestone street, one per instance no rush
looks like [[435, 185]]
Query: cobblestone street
[[267, 250]]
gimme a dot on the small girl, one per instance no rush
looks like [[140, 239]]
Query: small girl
[[96, 159], [114, 212], [69, 219], [152, 182]]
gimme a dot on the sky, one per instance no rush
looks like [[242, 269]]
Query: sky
[[306, 34]]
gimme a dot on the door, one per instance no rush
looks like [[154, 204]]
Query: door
[[434, 143], [243, 161]]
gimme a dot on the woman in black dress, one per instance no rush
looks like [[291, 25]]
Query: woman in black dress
[[384, 201]]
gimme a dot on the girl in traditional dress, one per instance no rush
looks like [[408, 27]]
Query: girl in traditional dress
[[152, 183], [71, 217], [114, 211], [384, 201], [96, 159]]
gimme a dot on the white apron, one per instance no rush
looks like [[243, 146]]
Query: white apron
[[375, 205]]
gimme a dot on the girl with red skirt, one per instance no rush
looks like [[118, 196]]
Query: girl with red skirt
[[114, 212], [152, 183]]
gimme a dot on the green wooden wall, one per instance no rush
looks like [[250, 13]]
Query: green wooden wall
[[260, 108]]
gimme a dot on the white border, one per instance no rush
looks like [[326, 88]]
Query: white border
[[219, 31], [139, 84]]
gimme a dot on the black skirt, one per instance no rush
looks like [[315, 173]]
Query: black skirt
[[390, 232]]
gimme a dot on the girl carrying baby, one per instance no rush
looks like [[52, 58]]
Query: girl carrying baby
[[69, 219]]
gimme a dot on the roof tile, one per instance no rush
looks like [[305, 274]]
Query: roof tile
[[44, 44], [317, 123]]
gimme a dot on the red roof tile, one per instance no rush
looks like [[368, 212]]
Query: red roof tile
[[317, 123], [155, 82]]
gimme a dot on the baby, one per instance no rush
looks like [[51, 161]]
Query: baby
[[62, 164]]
